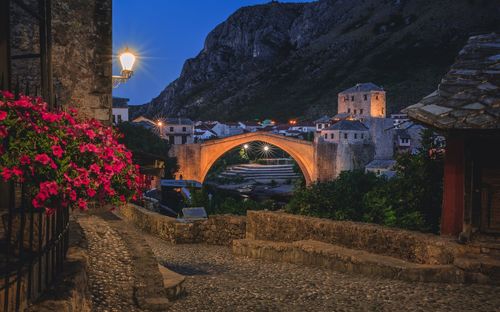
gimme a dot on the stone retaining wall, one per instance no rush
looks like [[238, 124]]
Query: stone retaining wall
[[407, 245], [216, 230]]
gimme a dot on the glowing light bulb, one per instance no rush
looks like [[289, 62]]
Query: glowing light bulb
[[127, 60]]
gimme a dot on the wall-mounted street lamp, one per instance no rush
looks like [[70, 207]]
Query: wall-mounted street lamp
[[127, 60], [160, 127]]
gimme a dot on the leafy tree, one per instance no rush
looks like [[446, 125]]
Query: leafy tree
[[146, 146]]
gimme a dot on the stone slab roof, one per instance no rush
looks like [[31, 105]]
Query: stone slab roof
[[468, 96], [363, 87], [322, 119], [349, 125], [381, 164], [119, 102]]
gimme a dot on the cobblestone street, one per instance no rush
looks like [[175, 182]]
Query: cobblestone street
[[110, 267], [217, 281]]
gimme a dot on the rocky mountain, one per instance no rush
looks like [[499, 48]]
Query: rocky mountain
[[282, 60]]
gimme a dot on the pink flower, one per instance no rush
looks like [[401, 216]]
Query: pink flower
[[91, 192], [122, 199], [95, 168], [57, 151], [43, 158], [72, 195], [8, 95], [6, 174], [25, 160], [82, 204], [88, 148], [90, 133], [17, 172], [3, 115], [50, 117], [49, 187], [3, 132]]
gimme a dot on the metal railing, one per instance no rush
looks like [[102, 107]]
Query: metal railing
[[34, 246]]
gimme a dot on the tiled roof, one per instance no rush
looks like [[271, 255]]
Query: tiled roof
[[381, 164], [322, 119], [363, 87], [468, 96], [403, 134], [178, 121], [354, 125]]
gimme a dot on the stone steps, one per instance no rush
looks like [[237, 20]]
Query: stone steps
[[310, 252]]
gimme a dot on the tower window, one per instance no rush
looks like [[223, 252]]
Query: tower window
[[346, 98], [326, 136], [349, 110], [355, 112], [361, 111], [352, 98], [366, 97], [345, 136]]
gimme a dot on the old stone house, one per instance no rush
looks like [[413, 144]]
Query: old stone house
[[363, 100], [466, 109], [346, 132]]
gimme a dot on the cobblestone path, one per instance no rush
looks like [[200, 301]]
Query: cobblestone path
[[217, 281], [110, 267]]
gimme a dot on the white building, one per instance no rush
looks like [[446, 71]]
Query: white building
[[346, 132], [177, 130], [250, 126], [322, 123], [120, 110], [203, 133]]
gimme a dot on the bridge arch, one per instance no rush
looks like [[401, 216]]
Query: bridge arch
[[195, 160]]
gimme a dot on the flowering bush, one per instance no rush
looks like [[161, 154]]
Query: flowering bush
[[63, 161]]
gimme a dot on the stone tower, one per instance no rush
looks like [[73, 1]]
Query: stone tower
[[364, 100]]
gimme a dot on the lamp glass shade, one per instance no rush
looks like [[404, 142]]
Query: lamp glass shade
[[127, 61]]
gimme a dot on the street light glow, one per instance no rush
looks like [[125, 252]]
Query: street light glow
[[127, 60], [266, 148], [245, 146], [160, 123]]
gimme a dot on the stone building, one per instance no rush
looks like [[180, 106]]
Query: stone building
[[362, 101], [466, 109], [346, 132], [178, 130], [81, 54]]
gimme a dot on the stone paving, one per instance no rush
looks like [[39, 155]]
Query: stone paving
[[111, 275], [218, 281]]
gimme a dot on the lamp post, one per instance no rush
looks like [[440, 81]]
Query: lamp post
[[127, 60], [160, 125]]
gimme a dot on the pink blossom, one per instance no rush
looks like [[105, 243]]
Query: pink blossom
[[72, 195], [6, 174], [49, 187], [8, 95], [3, 115], [50, 117], [43, 158], [82, 204], [25, 160], [91, 192], [57, 151], [3, 132], [17, 172]]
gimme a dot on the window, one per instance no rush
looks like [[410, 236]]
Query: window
[[332, 136], [361, 111], [119, 118], [355, 136], [376, 97], [171, 139], [362, 135], [355, 111], [320, 126], [346, 98], [326, 136], [171, 129], [382, 110], [183, 129], [352, 98], [345, 136], [349, 110], [366, 97], [114, 119], [184, 139]]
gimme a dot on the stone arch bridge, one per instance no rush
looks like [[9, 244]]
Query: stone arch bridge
[[318, 161]]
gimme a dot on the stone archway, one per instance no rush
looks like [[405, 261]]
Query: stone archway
[[195, 160]]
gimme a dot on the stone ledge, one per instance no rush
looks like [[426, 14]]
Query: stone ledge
[[406, 245], [347, 260], [216, 230], [172, 282]]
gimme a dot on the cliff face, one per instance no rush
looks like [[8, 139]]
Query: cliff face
[[286, 60]]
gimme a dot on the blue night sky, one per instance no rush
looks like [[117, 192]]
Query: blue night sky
[[164, 33]]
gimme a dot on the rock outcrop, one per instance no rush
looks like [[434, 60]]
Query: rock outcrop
[[285, 60]]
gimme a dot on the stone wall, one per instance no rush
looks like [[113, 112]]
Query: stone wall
[[81, 54], [407, 245], [216, 230]]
